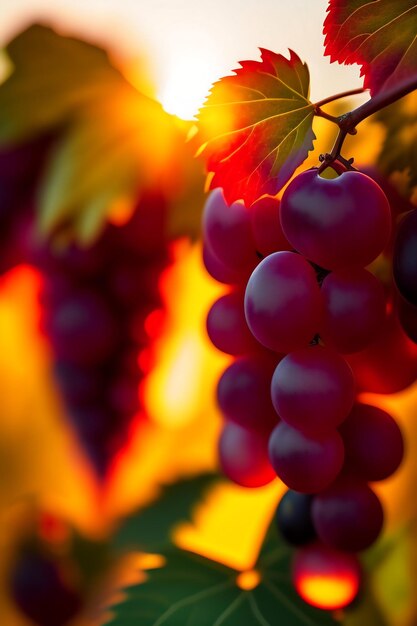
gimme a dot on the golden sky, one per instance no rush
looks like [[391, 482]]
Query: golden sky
[[190, 43]]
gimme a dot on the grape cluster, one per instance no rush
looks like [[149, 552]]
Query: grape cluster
[[322, 328], [100, 308]]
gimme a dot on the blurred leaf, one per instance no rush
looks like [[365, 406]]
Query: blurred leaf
[[366, 612], [196, 591], [149, 529], [381, 37], [111, 141], [255, 128], [399, 151]]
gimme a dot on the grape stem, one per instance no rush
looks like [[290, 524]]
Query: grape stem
[[348, 121]]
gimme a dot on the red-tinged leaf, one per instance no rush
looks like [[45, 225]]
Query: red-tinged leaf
[[255, 128], [379, 35]]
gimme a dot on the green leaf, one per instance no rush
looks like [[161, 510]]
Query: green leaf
[[255, 128], [195, 591], [111, 141], [399, 151], [149, 529]]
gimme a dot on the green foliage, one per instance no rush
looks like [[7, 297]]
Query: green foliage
[[196, 591], [399, 151], [149, 529], [110, 140]]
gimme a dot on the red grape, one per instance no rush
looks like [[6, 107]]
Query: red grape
[[348, 515], [218, 270], [326, 578], [227, 326], [374, 445], [313, 389], [244, 456], [266, 226], [305, 464], [227, 231], [387, 365], [243, 392], [336, 223], [283, 304], [354, 309]]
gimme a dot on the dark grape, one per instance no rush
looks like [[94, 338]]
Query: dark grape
[[374, 445], [348, 515], [243, 456], [305, 464], [407, 315], [243, 392], [42, 591], [283, 304], [293, 518], [354, 309], [313, 389], [227, 326], [405, 257], [337, 223]]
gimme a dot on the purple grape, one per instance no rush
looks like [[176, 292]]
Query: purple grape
[[283, 304], [374, 446], [293, 518], [348, 515], [218, 270], [243, 393], [243, 456], [337, 223], [305, 464], [227, 327], [405, 257], [313, 389], [266, 226]]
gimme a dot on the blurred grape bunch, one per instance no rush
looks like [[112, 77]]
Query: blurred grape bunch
[[96, 179]]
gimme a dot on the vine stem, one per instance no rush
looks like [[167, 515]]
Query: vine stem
[[348, 121], [339, 96]]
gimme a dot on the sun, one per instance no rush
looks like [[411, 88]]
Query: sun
[[187, 81]]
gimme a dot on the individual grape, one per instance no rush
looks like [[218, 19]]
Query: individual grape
[[243, 456], [337, 223], [283, 304], [266, 226], [407, 316], [82, 328], [243, 392], [313, 389], [354, 309], [326, 578], [405, 257], [42, 590], [387, 365], [227, 231], [303, 463], [348, 515], [374, 445], [293, 518], [227, 327], [218, 270]]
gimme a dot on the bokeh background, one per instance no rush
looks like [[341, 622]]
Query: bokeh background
[[50, 493]]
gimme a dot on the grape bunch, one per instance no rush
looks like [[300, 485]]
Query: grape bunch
[[100, 309], [310, 327]]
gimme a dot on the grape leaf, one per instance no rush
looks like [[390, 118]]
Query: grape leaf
[[399, 150], [112, 142], [149, 528], [379, 35], [255, 128], [196, 591]]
